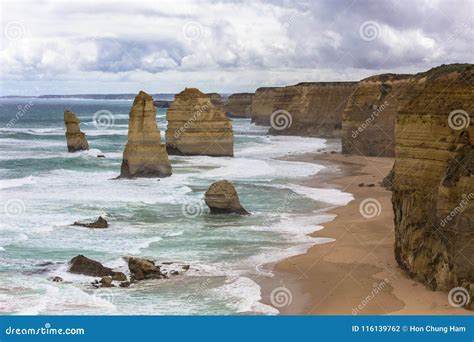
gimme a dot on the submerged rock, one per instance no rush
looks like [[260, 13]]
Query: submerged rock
[[197, 127], [76, 140], [144, 155], [100, 223], [142, 269], [222, 198]]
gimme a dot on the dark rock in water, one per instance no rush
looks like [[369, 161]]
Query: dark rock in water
[[56, 279], [119, 276], [125, 284], [100, 156], [82, 265], [185, 267], [106, 282], [222, 198], [100, 223], [167, 262], [142, 269], [174, 272]]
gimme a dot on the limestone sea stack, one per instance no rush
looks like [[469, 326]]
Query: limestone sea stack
[[222, 198], [144, 155], [76, 140], [197, 127], [262, 105], [433, 183], [239, 105], [368, 123], [310, 109]]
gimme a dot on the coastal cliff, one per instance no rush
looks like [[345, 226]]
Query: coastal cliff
[[433, 184], [311, 109], [197, 127], [144, 155], [368, 121], [262, 105], [76, 140], [239, 105]]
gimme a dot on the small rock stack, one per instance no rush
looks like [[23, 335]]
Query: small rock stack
[[76, 140]]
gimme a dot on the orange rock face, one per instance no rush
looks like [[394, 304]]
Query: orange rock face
[[144, 155], [368, 122], [197, 127], [433, 183], [76, 140]]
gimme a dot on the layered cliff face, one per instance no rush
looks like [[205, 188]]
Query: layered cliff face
[[311, 109], [368, 122], [433, 184], [239, 105], [76, 140], [262, 105], [198, 127], [144, 155], [216, 99]]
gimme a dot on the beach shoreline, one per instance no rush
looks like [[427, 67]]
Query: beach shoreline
[[357, 274]]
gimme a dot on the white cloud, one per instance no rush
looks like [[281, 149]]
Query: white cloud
[[222, 46]]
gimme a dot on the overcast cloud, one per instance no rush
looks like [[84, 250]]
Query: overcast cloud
[[63, 47]]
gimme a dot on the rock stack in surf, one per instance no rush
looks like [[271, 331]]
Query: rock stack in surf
[[144, 155], [76, 140], [197, 127]]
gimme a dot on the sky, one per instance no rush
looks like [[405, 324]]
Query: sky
[[84, 47]]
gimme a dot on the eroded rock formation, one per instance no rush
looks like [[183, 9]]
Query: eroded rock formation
[[368, 124], [222, 198], [433, 184], [262, 105], [239, 105], [142, 269], [76, 140], [198, 127], [144, 155], [99, 223], [311, 109], [83, 265]]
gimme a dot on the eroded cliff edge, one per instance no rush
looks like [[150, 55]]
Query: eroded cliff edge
[[239, 105], [197, 127], [311, 109], [368, 121], [433, 184]]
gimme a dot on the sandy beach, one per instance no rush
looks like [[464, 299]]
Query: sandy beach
[[357, 273]]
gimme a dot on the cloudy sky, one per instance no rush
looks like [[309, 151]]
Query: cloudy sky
[[67, 47]]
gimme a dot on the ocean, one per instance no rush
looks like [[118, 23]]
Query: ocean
[[44, 189]]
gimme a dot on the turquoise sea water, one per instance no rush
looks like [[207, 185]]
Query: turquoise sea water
[[44, 189]]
